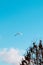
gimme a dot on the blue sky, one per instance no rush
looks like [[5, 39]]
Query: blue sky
[[24, 16]]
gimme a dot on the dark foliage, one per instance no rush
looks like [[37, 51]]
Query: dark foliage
[[34, 55]]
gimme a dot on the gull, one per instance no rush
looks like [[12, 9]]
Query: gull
[[18, 33]]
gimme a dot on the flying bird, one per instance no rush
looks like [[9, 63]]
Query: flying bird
[[18, 33]]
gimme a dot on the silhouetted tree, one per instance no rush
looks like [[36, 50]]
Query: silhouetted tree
[[34, 55]]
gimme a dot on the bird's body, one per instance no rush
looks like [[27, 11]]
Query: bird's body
[[18, 33]]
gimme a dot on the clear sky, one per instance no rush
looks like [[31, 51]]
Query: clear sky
[[24, 16]]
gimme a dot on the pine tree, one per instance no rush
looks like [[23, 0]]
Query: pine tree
[[34, 55]]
